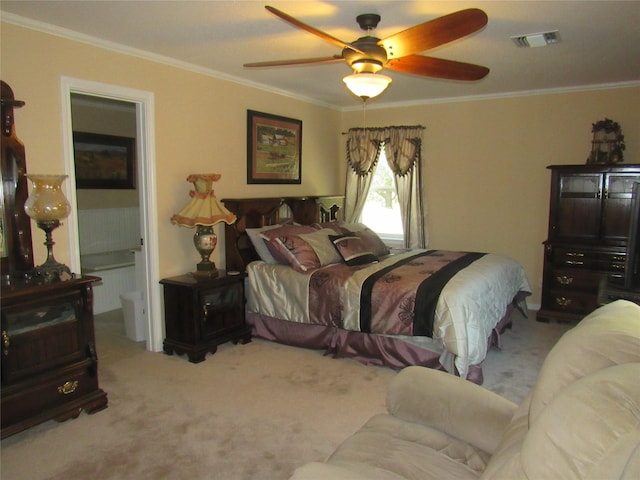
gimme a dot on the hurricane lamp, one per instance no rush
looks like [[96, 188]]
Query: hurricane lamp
[[47, 205]]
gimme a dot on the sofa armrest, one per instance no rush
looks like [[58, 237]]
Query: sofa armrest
[[451, 405]]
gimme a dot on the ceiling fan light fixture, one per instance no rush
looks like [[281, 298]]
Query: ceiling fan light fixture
[[366, 66], [366, 85]]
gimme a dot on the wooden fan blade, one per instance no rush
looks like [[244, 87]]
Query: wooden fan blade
[[318, 33], [434, 33], [437, 68], [298, 61]]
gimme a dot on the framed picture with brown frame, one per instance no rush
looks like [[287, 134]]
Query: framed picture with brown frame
[[104, 161], [274, 148]]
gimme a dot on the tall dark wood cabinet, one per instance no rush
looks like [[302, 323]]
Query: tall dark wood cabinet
[[589, 219], [49, 361]]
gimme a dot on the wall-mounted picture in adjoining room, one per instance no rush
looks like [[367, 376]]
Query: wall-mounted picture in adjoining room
[[274, 148], [104, 161]]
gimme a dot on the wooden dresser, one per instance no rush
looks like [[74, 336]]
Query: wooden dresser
[[589, 218], [49, 360]]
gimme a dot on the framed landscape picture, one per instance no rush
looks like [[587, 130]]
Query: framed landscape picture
[[274, 148], [104, 161]]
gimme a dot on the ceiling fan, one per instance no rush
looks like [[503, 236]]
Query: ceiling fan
[[368, 55]]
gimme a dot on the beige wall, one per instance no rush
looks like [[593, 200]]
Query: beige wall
[[485, 181], [486, 185], [200, 128]]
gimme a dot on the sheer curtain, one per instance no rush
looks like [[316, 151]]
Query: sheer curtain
[[403, 149]]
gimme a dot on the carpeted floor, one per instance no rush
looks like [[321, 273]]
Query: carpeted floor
[[252, 411]]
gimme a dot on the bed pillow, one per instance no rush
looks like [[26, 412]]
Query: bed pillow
[[288, 248], [371, 239], [335, 225], [373, 242], [322, 246], [260, 245], [352, 249]]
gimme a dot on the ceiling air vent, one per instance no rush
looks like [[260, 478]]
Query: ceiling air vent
[[536, 39]]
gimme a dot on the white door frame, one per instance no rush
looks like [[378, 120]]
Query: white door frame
[[146, 165]]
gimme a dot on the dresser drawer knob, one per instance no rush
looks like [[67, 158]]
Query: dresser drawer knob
[[5, 342], [564, 280], [563, 301], [68, 387]]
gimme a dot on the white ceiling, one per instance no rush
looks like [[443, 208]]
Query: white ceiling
[[600, 42]]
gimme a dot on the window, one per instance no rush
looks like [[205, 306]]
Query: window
[[381, 212]]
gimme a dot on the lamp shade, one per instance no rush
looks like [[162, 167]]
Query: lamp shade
[[203, 208], [367, 85], [203, 211], [46, 201], [47, 205]]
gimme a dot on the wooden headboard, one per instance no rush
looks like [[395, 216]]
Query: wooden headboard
[[259, 212]]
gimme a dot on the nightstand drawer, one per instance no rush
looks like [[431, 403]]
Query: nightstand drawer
[[69, 384]]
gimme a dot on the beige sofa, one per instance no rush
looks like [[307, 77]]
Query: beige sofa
[[580, 421]]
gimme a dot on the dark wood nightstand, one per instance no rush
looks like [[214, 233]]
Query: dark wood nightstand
[[201, 314]]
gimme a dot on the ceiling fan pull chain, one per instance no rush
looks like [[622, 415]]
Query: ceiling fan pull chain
[[364, 114]]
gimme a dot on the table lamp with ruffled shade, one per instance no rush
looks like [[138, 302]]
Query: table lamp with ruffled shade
[[203, 212]]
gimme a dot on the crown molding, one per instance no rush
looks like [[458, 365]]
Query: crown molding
[[172, 62], [494, 96], [149, 56]]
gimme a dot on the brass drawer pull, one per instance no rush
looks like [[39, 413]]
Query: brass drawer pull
[[617, 267], [573, 262], [564, 280], [574, 254], [563, 301], [68, 387], [5, 342]]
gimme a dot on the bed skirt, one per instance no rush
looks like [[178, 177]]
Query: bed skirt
[[370, 349]]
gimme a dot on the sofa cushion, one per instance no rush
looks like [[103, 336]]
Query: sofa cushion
[[591, 430], [505, 462], [608, 336], [410, 450]]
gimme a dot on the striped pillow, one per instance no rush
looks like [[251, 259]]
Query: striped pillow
[[352, 249]]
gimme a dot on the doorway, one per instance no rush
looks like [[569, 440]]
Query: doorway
[[107, 199], [143, 105]]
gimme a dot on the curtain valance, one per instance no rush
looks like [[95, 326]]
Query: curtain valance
[[402, 147]]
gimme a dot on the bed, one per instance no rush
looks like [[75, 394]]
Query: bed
[[317, 282]]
